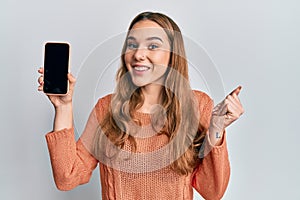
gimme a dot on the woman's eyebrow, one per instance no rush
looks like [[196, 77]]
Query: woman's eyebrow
[[148, 39], [155, 38], [131, 38]]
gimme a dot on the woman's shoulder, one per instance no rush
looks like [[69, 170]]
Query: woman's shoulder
[[202, 97], [105, 99], [103, 103], [204, 100]]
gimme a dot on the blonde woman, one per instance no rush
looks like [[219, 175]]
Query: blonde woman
[[154, 137]]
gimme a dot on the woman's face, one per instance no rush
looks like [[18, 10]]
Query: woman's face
[[147, 53]]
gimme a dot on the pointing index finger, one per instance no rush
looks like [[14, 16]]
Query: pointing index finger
[[236, 91]]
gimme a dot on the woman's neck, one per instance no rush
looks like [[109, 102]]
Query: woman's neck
[[152, 95]]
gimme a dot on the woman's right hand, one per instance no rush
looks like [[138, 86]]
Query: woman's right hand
[[58, 100]]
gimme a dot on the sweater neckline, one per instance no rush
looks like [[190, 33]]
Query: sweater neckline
[[143, 118]]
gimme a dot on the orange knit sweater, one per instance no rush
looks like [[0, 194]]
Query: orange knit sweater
[[72, 164]]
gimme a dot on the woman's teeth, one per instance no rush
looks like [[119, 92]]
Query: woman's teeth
[[141, 68]]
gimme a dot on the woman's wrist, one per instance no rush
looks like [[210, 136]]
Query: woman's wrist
[[216, 130], [63, 107], [63, 117], [215, 137]]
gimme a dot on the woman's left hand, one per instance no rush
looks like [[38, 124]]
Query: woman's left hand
[[224, 114]]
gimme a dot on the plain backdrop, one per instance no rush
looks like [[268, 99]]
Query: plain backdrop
[[255, 44]]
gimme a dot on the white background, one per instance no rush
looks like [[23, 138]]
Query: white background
[[253, 43]]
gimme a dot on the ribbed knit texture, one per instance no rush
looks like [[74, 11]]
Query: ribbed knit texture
[[73, 163]]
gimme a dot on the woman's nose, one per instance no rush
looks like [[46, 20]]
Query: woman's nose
[[140, 53]]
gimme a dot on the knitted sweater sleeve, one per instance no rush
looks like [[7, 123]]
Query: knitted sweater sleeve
[[72, 162], [211, 177]]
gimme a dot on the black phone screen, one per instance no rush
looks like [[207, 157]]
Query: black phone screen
[[56, 67]]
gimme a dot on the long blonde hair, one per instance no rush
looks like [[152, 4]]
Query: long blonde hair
[[182, 119]]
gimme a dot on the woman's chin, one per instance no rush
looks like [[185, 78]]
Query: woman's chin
[[140, 83]]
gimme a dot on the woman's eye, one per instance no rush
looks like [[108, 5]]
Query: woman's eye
[[132, 46], [153, 46]]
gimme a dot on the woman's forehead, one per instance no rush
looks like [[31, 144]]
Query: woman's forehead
[[147, 29]]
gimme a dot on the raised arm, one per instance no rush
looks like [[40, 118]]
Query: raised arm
[[72, 163], [211, 177]]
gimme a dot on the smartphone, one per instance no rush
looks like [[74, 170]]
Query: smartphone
[[56, 68]]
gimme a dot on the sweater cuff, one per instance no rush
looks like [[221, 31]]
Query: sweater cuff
[[60, 135]]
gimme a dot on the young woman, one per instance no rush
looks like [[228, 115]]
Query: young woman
[[154, 138]]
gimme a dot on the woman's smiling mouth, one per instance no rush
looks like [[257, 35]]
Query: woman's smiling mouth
[[140, 69]]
